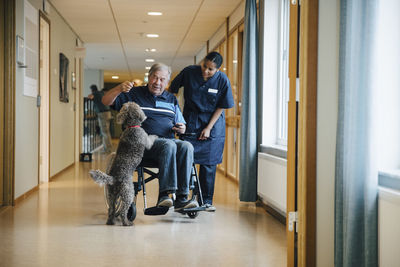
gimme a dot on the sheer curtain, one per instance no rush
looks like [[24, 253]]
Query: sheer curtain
[[367, 137], [249, 124]]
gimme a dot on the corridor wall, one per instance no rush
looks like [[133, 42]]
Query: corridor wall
[[63, 40]]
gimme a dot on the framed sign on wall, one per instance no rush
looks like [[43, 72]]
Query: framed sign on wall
[[64, 63]]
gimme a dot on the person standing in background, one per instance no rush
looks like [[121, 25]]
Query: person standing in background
[[207, 92], [103, 115]]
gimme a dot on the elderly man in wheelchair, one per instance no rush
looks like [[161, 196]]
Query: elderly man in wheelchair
[[174, 157]]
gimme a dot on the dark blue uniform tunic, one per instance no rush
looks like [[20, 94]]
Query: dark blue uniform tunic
[[162, 111], [202, 98]]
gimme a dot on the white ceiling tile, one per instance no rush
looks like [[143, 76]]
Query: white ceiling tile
[[92, 20]]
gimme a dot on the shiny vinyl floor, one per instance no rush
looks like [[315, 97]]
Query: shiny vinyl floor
[[63, 224]]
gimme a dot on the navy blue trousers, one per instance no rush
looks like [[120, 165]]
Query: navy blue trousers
[[207, 182]]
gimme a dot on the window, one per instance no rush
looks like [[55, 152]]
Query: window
[[275, 69], [283, 82]]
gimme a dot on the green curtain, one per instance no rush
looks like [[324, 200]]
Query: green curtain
[[249, 124]]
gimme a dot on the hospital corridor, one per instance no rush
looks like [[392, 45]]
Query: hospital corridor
[[272, 126], [63, 224]]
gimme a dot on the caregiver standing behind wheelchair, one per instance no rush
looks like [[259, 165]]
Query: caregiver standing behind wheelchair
[[164, 118], [207, 92]]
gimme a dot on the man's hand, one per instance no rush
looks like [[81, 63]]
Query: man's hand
[[126, 86], [179, 128], [110, 96]]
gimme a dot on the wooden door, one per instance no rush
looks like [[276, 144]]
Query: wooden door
[[307, 133], [222, 50], [7, 12], [301, 159], [1, 100], [233, 68], [291, 206]]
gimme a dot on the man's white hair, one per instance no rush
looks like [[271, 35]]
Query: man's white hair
[[162, 67]]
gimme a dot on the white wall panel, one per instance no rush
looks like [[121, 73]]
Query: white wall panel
[[389, 230]]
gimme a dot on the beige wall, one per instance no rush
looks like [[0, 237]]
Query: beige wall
[[327, 108], [61, 114], [26, 123], [63, 40]]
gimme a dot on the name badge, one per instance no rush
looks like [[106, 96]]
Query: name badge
[[214, 91]]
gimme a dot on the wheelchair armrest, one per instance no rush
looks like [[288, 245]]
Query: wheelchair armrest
[[182, 136], [149, 163]]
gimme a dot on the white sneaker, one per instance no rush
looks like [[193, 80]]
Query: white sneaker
[[165, 201], [181, 204], [210, 207]]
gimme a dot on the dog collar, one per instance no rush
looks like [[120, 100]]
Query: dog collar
[[134, 126]]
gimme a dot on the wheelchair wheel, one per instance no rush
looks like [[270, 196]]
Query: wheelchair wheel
[[192, 214], [118, 203], [132, 212]]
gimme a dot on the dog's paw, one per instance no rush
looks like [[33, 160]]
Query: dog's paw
[[110, 222], [127, 223]]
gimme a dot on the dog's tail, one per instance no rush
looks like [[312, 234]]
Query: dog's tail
[[110, 161], [101, 178]]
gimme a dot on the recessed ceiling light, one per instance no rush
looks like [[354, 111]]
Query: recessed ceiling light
[[147, 68], [150, 50], [149, 60], [147, 74], [115, 77], [152, 35], [154, 13]]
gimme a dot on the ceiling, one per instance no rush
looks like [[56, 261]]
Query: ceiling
[[114, 31]]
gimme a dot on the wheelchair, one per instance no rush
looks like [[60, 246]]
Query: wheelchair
[[140, 185]]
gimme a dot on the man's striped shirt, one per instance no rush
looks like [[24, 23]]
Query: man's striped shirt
[[162, 111]]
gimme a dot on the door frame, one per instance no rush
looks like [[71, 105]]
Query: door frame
[[44, 105], [1, 98], [301, 159], [8, 7], [308, 133], [291, 205]]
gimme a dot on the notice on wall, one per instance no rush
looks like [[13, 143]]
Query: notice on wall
[[31, 51]]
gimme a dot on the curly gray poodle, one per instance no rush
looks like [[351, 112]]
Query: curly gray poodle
[[132, 144]]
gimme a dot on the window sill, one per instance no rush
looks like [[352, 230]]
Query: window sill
[[274, 150], [389, 179]]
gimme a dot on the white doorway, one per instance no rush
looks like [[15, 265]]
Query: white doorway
[[44, 119]]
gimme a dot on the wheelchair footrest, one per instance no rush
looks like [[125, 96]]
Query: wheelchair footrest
[[156, 210], [195, 209]]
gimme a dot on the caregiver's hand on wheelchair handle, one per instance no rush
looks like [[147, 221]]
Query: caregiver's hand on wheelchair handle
[[205, 134], [179, 128]]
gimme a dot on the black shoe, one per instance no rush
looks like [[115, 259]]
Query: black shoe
[[164, 201], [183, 203]]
